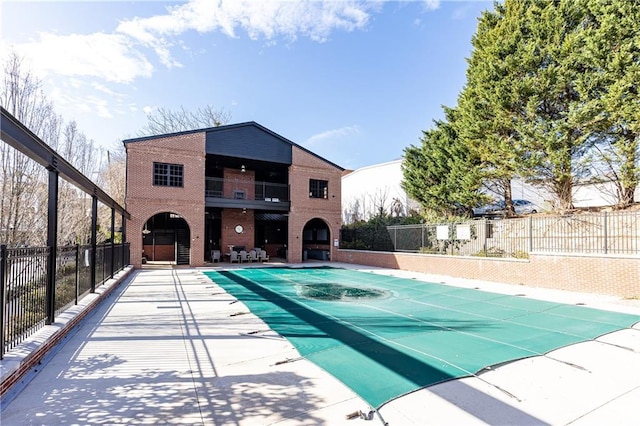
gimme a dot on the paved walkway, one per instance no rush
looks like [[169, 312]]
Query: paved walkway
[[170, 347]]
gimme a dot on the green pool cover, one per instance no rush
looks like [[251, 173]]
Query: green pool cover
[[385, 336]]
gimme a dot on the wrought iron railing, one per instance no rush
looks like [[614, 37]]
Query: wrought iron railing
[[606, 233], [23, 284], [245, 189]]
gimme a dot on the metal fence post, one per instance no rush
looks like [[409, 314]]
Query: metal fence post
[[77, 272], [3, 282], [123, 238], [52, 242], [485, 231], [605, 231], [94, 226], [530, 234], [113, 241], [451, 236], [395, 239]]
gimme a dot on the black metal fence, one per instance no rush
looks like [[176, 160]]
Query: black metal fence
[[599, 233], [23, 284]]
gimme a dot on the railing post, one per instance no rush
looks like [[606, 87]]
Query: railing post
[[3, 292], [395, 239], [605, 231], [94, 226], [486, 226], [77, 272], [123, 239], [530, 234], [52, 242], [113, 241], [451, 235]]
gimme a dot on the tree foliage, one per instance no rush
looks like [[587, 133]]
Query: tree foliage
[[490, 104], [611, 92], [441, 174], [165, 120], [551, 96], [24, 183], [22, 179]]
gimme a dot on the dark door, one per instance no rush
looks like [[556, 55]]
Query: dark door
[[183, 246]]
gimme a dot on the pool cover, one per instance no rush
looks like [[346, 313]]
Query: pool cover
[[386, 336]]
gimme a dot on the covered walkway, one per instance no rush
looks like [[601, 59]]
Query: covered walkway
[[169, 346]]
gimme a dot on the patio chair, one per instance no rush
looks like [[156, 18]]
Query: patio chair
[[215, 256], [264, 256], [234, 257], [244, 256], [253, 256]]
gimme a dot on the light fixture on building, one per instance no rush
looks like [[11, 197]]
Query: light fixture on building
[[145, 231], [244, 211], [243, 169]]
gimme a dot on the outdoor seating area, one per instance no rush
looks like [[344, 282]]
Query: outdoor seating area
[[238, 254]]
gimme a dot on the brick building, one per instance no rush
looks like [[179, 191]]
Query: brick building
[[223, 187]]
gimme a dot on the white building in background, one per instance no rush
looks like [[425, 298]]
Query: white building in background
[[520, 190], [368, 190]]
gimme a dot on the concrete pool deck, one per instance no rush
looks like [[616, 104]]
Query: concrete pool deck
[[171, 347]]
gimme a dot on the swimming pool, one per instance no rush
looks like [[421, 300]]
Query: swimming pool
[[387, 336]]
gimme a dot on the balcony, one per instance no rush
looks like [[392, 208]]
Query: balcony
[[238, 193]]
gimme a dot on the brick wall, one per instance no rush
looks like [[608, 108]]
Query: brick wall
[[243, 181], [303, 208], [230, 219], [159, 252], [144, 200], [619, 276]]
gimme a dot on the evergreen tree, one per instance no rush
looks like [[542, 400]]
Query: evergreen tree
[[552, 130], [520, 107], [441, 173], [610, 89], [490, 104]]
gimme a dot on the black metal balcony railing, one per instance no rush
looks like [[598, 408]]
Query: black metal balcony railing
[[236, 189]]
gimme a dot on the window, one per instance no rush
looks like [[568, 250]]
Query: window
[[167, 174], [318, 188]]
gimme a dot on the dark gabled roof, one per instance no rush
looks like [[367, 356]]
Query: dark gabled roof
[[212, 131]]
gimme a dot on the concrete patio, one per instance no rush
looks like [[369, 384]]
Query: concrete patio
[[168, 346]]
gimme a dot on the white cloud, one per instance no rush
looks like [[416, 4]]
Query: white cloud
[[109, 57], [106, 90], [120, 57], [332, 135], [267, 19], [431, 4]]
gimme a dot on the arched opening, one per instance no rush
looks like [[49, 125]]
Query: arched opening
[[166, 238], [316, 240]]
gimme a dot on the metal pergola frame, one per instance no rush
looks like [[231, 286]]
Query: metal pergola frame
[[17, 135]]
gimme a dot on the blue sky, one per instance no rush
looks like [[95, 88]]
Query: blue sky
[[354, 81]]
